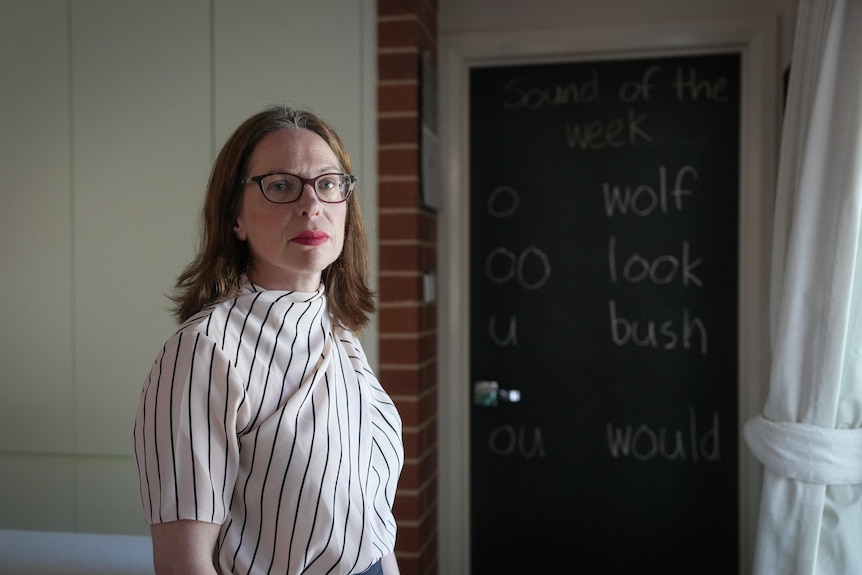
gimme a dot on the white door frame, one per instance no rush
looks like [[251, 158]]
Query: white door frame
[[757, 42]]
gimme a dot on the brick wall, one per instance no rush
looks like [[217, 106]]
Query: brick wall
[[408, 247]]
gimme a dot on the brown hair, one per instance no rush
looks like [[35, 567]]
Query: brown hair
[[222, 258]]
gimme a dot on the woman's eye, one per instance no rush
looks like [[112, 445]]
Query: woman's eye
[[280, 185]]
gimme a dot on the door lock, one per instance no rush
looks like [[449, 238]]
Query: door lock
[[489, 394]]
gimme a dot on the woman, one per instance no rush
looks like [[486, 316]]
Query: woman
[[263, 440]]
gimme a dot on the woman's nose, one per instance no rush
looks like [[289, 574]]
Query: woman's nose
[[308, 200]]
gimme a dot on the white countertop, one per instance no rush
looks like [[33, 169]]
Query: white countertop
[[55, 553]]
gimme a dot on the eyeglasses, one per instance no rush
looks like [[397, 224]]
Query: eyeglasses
[[287, 188]]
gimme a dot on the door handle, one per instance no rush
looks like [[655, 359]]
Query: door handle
[[488, 394]]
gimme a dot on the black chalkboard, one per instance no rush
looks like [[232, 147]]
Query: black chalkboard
[[604, 201]]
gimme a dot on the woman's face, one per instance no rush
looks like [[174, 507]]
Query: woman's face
[[290, 244]]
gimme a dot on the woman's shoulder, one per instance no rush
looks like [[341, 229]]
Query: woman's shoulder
[[251, 306], [352, 345], [200, 318]]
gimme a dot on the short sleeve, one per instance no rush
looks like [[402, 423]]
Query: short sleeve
[[185, 433]]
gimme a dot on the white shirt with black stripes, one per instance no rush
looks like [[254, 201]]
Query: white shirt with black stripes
[[261, 416]]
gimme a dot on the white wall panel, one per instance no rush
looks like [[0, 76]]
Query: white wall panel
[[110, 115], [142, 135], [36, 347], [302, 53], [37, 493], [107, 497]]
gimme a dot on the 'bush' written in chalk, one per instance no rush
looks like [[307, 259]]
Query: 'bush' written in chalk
[[666, 335]]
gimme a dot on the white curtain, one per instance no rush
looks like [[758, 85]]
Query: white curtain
[[809, 436]]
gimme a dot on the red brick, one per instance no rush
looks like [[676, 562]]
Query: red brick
[[400, 318], [418, 472], [428, 375], [428, 406], [400, 225], [427, 16], [399, 350], [401, 288], [406, 31], [407, 225], [416, 536], [410, 506], [406, 256], [428, 317], [397, 7], [398, 65], [398, 193], [401, 380], [399, 161], [408, 409], [409, 536], [418, 443], [411, 441], [407, 505], [416, 411], [397, 32], [410, 475], [408, 350], [398, 130], [409, 564], [429, 563], [428, 346], [422, 563], [399, 257], [428, 227], [427, 495], [428, 437], [408, 380], [427, 257], [399, 97], [428, 465]]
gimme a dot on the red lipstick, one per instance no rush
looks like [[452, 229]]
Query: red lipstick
[[311, 238]]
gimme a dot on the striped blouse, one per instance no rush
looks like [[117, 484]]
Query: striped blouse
[[261, 416]]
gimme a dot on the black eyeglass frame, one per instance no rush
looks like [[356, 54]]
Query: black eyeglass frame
[[350, 178]]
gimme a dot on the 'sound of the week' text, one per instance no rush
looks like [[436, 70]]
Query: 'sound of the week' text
[[630, 126]]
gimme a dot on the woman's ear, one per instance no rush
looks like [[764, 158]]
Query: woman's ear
[[239, 230]]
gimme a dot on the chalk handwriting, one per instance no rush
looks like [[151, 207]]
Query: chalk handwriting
[[517, 96], [647, 443], [661, 270], [503, 202], [502, 265], [614, 133], [511, 338], [639, 90], [643, 199], [686, 333], [505, 441], [688, 86]]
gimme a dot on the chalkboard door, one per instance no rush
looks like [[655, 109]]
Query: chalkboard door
[[604, 280]]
